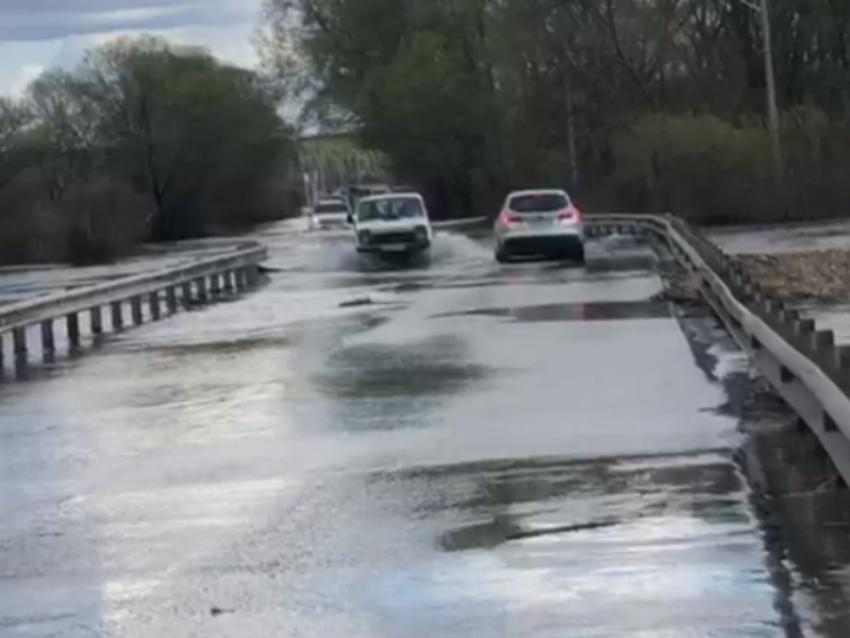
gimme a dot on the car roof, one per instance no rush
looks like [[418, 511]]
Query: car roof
[[538, 191], [384, 196]]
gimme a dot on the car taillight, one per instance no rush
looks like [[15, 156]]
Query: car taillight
[[571, 213], [507, 218]]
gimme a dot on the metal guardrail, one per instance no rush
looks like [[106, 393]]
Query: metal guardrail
[[200, 281], [804, 365]]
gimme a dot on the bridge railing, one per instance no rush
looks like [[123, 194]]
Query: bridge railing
[[803, 364], [160, 292]]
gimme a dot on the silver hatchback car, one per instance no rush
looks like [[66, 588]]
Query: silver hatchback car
[[539, 222]]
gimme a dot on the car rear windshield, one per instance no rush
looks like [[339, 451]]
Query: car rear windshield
[[331, 207], [390, 208], [538, 203]]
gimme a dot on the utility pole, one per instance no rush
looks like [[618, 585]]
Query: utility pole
[[571, 140], [770, 81], [772, 108]]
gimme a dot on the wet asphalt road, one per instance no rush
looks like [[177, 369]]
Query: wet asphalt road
[[478, 451]]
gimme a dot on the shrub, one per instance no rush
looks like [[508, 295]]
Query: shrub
[[701, 167], [103, 219], [717, 172]]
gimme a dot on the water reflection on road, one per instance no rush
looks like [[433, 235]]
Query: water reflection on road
[[607, 548], [473, 450]]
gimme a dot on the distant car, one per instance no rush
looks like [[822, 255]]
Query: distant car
[[392, 224], [539, 222], [359, 191], [330, 213]]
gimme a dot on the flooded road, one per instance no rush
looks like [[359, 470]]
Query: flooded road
[[455, 449]]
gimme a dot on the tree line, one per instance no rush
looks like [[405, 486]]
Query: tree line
[[144, 141], [631, 104]]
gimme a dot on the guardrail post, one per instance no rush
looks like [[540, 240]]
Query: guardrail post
[[48, 343], [215, 285], [73, 322], [153, 302], [96, 316], [239, 279], [136, 310], [804, 327], [771, 307], [117, 315], [171, 299], [201, 285], [842, 357], [789, 316], [19, 343], [228, 281], [186, 293], [823, 340], [253, 273]]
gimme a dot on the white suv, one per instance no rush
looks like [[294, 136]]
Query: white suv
[[330, 213], [539, 222], [392, 224]]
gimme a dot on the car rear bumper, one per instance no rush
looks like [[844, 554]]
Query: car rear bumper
[[541, 244]]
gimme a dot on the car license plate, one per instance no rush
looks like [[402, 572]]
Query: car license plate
[[394, 248]]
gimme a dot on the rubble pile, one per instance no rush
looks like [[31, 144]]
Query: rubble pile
[[820, 275]]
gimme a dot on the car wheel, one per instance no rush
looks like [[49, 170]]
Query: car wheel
[[502, 256]]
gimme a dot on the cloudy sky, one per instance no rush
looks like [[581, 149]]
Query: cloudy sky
[[40, 34]]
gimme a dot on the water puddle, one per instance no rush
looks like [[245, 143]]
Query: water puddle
[[587, 311], [383, 387], [661, 545]]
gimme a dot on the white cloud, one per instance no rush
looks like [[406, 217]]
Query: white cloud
[[28, 73], [222, 26]]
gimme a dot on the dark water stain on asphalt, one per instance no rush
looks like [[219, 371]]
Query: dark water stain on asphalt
[[542, 480], [589, 311], [372, 371], [620, 263], [612, 546], [380, 386], [806, 511]]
